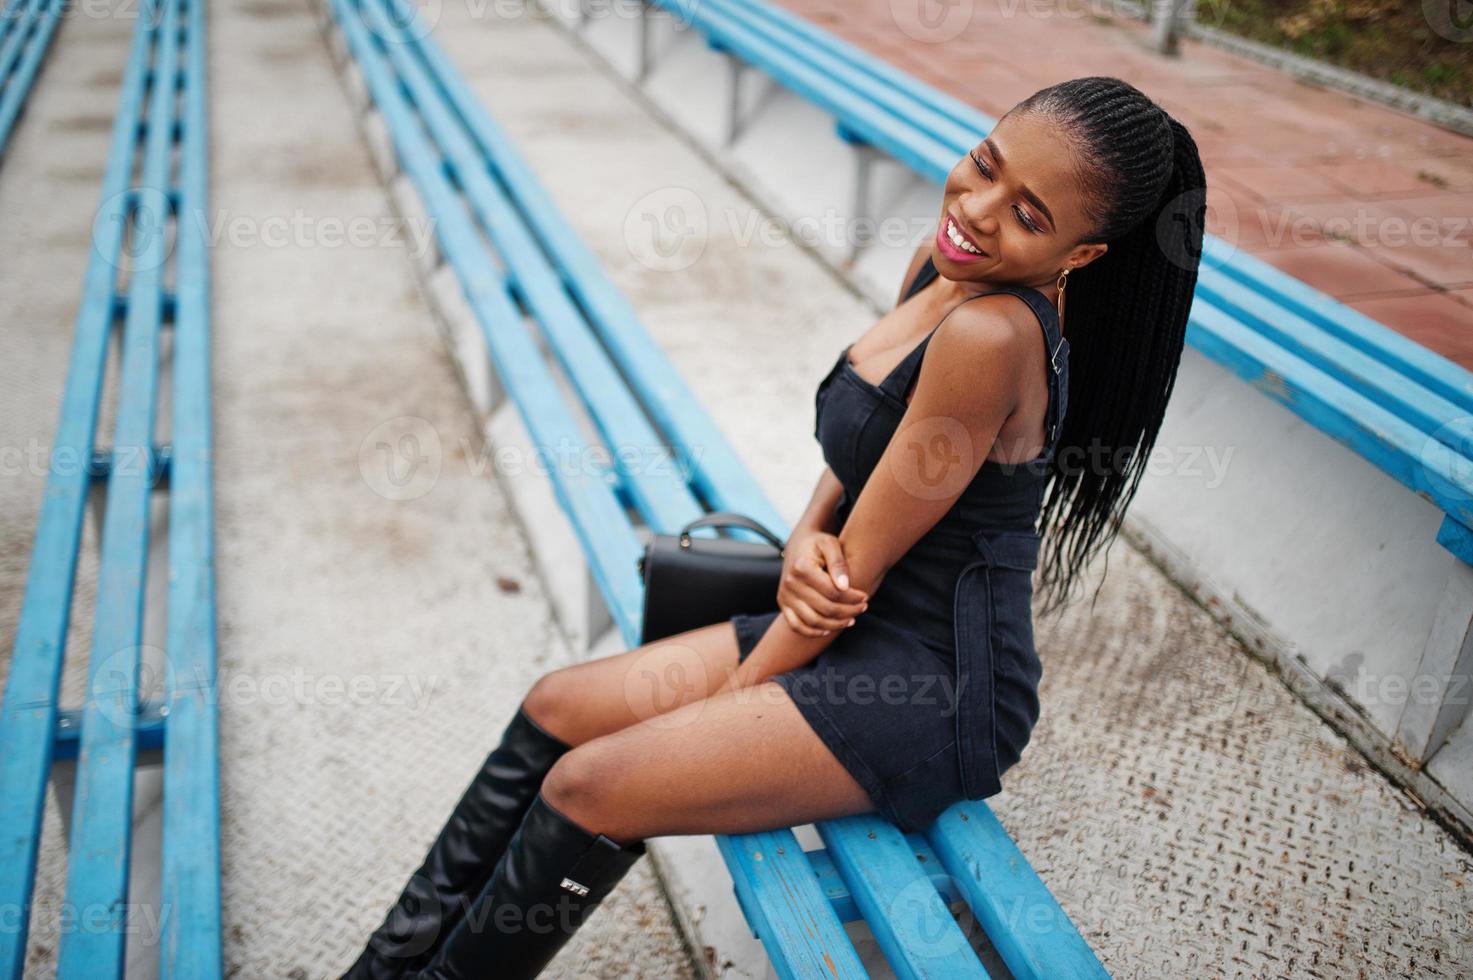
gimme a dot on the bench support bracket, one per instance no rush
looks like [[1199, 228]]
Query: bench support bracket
[[1430, 716], [643, 71], [865, 155], [735, 68]]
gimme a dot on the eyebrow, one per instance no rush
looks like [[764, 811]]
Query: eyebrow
[[1033, 198]]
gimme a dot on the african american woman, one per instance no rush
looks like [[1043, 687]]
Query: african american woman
[[972, 436]]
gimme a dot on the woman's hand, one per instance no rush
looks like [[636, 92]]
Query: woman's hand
[[814, 593]]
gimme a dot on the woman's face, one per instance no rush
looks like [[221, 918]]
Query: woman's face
[[1013, 199]]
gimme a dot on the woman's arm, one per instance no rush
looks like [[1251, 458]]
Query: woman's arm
[[820, 515], [967, 388], [814, 594]]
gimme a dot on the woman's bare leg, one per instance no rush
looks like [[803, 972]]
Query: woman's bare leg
[[585, 701], [738, 762]]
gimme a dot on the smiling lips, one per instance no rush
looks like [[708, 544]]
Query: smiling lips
[[956, 244]]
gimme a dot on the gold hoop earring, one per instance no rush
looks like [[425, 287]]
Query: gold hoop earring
[[1063, 281]]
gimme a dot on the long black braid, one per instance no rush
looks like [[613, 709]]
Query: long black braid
[[1125, 312]]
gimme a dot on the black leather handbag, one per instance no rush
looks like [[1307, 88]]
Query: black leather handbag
[[691, 582]]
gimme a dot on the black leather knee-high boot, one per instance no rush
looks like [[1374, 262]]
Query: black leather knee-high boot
[[553, 874], [461, 860]]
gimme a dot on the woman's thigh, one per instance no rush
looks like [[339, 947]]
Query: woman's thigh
[[741, 761], [588, 700]]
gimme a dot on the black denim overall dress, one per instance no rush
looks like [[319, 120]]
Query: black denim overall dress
[[933, 692]]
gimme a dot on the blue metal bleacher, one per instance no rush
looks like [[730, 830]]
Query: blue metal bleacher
[[136, 288], [516, 262], [26, 29]]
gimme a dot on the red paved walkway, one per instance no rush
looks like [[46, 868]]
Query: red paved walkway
[[1283, 158]]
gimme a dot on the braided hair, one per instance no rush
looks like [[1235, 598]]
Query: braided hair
[[1145, 196]]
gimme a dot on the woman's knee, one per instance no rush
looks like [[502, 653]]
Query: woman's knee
[[580, 786], [549, 702]]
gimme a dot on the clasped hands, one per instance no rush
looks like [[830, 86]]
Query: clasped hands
[[814, 594]]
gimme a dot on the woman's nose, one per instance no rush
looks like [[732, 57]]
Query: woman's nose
[[978, 213]]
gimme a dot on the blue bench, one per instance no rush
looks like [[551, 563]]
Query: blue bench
[[26, 28], [511, 252], [109, 731], [1405, 408]]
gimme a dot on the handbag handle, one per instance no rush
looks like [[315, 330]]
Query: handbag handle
[[726, 518]]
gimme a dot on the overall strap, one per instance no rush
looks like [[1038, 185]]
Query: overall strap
[[899, 381], [1058, 364]]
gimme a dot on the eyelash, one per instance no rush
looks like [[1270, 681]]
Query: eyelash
[[1023, 218]]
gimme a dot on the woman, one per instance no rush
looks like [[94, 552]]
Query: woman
[[854, 697]]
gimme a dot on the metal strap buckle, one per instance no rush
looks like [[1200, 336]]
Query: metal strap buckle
[[1054, 358]]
